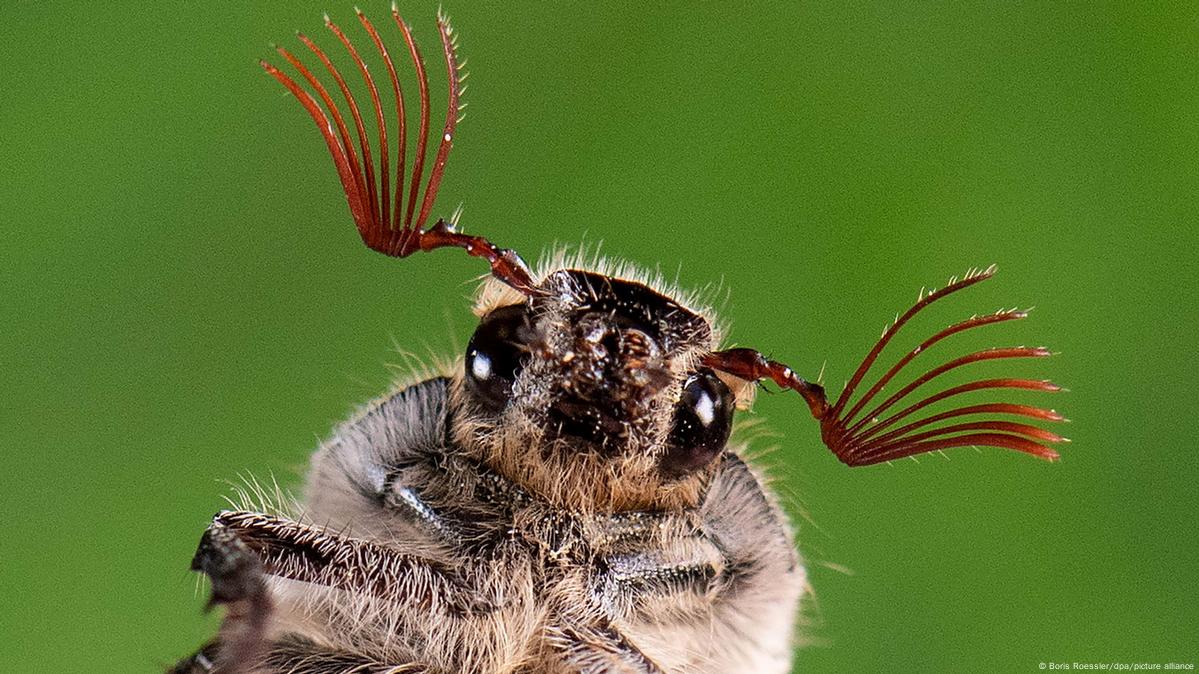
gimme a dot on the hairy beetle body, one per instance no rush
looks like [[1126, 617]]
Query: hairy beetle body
[[563, 497]]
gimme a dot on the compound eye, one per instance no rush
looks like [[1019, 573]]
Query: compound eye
[[703, 419], [496, 354]]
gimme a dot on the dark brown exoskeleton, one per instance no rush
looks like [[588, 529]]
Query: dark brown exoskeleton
[[565, 498]]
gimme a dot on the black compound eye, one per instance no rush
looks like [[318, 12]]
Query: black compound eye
[[703, 419], [496, 354]]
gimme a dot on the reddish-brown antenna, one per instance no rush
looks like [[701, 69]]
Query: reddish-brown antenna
[[385, 223], [873, 437]]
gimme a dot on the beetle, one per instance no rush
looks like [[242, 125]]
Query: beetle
[[565, 497]]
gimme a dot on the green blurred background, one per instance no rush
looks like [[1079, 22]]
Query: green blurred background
[[185, 300]]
